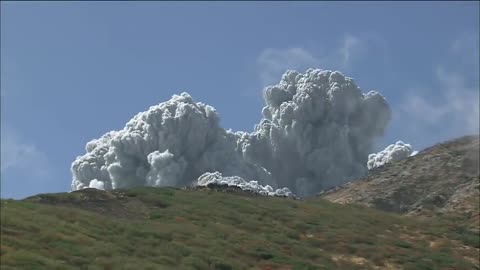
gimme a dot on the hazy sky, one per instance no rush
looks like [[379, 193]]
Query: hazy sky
[[71, 71]]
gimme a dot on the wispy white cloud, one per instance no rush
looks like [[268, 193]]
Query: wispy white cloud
[[453, 108], [18, 154], [353, 48], [465, 49], [350, 48], [274, 62]]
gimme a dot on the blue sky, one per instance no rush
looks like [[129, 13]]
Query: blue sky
[[71, 71]]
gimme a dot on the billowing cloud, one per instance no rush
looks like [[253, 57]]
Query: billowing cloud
[[217, 178], [317, 131], [96, 184], [170, 144], [393, 152]]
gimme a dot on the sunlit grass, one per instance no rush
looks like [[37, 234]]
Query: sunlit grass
[[165, 228]]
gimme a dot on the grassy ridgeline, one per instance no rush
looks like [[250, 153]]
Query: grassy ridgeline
[[166, 228]]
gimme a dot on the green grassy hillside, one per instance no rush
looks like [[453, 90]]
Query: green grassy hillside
[[166, 228]]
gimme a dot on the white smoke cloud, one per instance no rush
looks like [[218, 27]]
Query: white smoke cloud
[[393, 152], [208, 178], [171, 144], [317, 131], [96, 184]]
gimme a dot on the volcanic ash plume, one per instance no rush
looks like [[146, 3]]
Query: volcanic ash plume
[[171, 144], [393, 152], [317, 131], [207, 179]]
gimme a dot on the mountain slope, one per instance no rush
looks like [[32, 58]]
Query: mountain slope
[[166, 228], [442, 181], [439, 179]]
